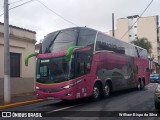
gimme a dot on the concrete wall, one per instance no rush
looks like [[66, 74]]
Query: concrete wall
[[147, 27], [19, 43], [18, 86], [122, 28]]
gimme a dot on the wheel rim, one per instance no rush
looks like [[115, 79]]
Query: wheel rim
[[96, 92], [107, 90], [139, 85]]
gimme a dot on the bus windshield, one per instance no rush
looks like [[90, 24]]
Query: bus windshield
[[54, 70], [59, 41]]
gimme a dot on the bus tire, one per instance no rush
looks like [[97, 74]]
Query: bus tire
[[142, 85], [96, 92], [106, 90]]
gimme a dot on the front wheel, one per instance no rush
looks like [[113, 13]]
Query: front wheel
[[96, 92]]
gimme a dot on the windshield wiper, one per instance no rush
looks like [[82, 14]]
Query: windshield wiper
[[48, 49]]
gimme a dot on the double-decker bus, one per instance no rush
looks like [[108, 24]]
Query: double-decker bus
[[81, 62]]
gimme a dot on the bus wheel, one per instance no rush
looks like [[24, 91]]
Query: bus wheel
[[142, 84], [107, 90], [96, 92]]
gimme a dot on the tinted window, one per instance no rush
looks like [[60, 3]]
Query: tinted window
[[154, 75], [47, 41], [60, 40], [82, 64], [131, 50], [86, 37], [53, 70], [105, 42], [64, 40], [142, 53]]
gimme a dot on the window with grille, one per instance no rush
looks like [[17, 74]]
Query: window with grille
[[15, 64]]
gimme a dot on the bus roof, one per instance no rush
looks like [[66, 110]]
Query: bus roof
[[76, 28]]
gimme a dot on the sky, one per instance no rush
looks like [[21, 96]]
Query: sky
[[96, 14]]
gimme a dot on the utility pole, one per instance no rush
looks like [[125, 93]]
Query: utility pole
[[7, 85], [113, 24]]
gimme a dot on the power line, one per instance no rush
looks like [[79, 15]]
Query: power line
[[138, 18], [18, 6], [15, 2], [21, 4], [41, 4], [56, 13]]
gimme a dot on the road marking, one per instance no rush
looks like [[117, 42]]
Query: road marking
[[64, 108], [21, 103]]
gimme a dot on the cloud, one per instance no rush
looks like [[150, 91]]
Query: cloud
[[96, 14]]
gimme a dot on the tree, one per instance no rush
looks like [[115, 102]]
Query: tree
[[144, 43]]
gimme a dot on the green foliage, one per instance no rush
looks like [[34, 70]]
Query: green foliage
[[144, 43]]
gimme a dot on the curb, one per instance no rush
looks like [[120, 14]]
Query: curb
[[21, 104]]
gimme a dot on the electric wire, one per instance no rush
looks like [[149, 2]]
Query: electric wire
[[21, 4], [138, 18], [56, 13], [18, 6], [44, 6], [15, 2]]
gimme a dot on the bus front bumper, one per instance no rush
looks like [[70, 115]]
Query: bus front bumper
[[65, 94]]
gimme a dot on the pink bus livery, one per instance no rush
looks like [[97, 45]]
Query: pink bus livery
[[81, 62]]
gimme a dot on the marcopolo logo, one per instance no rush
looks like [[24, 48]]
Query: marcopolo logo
[[6, 114]]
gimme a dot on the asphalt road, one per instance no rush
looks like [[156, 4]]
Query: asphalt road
[[121, 102]]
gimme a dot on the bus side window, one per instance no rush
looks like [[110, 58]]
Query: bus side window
[[87, 67], [81, 68]]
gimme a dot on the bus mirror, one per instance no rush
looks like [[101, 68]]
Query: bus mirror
[[29, 56], [70, 51]]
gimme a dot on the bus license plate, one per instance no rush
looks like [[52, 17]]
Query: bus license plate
[[50, 98]]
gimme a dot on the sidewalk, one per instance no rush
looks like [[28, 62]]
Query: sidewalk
[[19, 98]]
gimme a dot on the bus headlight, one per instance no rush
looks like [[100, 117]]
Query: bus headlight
[[37, 88], [65, 87], [71, 85], [68, 86]]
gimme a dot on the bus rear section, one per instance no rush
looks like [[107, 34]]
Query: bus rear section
[[143, 73]]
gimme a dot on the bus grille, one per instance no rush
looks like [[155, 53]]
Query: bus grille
[[49, 90]]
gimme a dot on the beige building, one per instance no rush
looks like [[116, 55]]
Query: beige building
[[134, 26], [22, 43]]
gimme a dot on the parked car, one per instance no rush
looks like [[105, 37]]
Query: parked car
[[155, 78], [157, 97]]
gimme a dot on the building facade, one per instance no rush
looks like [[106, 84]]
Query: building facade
[[22, 43], [128, 29]]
